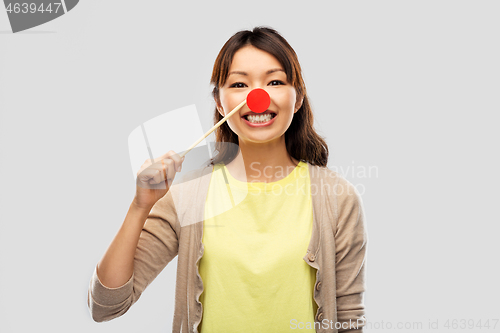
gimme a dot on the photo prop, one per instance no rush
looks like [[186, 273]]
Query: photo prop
[[258, 100]]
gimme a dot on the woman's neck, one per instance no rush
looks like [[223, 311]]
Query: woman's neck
[[262, 162]]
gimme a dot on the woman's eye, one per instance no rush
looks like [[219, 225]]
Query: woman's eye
[[238, 85], [276, 82]]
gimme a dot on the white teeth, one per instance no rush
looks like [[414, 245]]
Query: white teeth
[[259, 118]]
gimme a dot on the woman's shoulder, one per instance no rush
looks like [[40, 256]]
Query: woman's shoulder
[[325, 173], [341, 197], [331, 179]]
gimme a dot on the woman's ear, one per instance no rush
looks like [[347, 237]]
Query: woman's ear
[[220, 109], [298, 104], [219, 106]]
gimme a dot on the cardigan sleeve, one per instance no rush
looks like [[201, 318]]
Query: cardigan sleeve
[[351, 241], [157, 246]]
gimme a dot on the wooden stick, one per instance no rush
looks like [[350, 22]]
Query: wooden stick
[[213, 128]]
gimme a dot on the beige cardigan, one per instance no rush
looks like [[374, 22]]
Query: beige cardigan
[[337, 250]]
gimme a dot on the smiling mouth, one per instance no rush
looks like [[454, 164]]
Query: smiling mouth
[[261, 118]]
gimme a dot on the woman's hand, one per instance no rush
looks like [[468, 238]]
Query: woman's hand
[[154, 179]]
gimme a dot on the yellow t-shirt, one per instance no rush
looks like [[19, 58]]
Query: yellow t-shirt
[[255, 236]]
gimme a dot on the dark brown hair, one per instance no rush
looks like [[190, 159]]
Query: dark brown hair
[[302, 141]]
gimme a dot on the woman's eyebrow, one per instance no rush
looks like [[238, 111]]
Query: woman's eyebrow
[[267, 73]]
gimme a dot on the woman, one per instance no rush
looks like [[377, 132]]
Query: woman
[[290, 244]]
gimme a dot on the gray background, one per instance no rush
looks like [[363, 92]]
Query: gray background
[[408, 87]]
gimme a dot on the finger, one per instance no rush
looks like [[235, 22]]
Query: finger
[[159, 171], [147, 163], [170, 169], [176, 158], [146, 173], [155, 179], [153, 174], [164, 169], [177, 161]]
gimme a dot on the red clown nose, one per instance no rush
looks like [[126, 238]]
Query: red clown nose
[[258, 100]]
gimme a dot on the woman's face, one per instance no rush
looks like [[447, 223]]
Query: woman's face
[[253, 68]]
